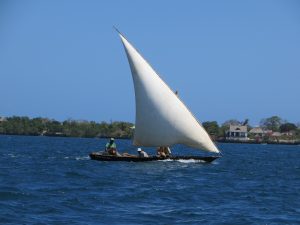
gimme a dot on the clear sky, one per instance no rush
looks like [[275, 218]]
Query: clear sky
[[228, 59]]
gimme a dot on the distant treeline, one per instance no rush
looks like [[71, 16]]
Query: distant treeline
[[16, 125], [70, 128]]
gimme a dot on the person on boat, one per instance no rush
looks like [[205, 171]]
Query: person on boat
[[160, 153], [163, 152], [111, 147], [168, 151], [142, 154]]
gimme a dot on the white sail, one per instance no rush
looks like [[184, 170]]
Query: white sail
[[161, 117]]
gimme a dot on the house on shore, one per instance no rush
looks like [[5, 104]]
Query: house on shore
[[237, 133], [257, 132], [3, 119], [276, 134]]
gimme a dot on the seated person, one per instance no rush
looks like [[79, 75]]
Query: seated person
[[111, 147], [167, 151], [163, 152], [142, 154], [160, 153]]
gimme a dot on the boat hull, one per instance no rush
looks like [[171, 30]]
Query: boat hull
[[101, 157]]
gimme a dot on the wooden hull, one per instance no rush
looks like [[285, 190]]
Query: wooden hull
[[100, 157]]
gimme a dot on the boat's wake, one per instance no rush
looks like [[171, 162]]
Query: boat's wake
[[183, 160], [82, 158], [77, 157]]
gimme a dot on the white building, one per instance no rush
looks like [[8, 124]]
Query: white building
[[2, 119], [237, 133]]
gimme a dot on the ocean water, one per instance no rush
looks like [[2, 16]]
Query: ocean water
[[46, 180]]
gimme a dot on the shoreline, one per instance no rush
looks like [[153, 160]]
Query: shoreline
[[63, 136], [256, 142], [128, 138]]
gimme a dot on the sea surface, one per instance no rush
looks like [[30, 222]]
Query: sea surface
[[47, 180]]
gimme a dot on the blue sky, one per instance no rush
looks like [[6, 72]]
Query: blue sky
[[227, 59]]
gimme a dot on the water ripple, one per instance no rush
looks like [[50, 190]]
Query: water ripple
[[52, 180]]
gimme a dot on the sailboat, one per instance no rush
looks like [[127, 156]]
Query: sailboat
[[162, 119]]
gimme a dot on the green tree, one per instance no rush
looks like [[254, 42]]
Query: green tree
[[211, 127], [272, 123], [231, 122], [287, 127]]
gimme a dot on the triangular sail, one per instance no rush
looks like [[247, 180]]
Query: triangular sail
[[161, 117]]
